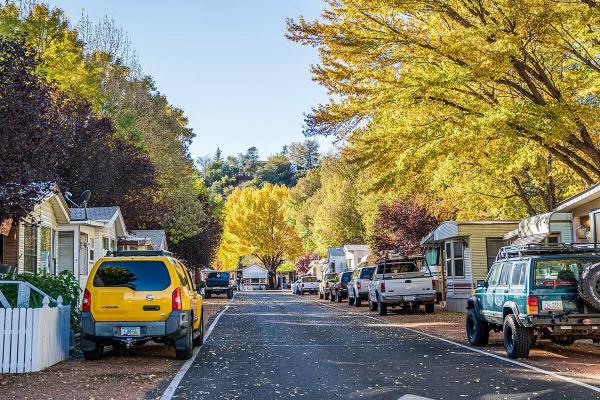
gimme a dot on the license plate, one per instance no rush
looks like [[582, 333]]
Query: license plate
[[409, 298], [130, 331], [555, 305]]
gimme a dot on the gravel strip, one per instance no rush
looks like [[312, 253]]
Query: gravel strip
[[134, 375]]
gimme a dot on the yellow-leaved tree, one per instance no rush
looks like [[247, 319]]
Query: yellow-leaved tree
[[491, 105], [255, 224]]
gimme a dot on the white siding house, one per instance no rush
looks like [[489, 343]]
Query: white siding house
[[336, 260], [91, 233], [353, 254]]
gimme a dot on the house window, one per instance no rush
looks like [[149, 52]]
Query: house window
[[455, 262], [492, 247], [46, 250], [30, 248], [92, 249], [113, 244], [105, 245]]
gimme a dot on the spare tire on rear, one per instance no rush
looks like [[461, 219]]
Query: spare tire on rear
[[589, 286]]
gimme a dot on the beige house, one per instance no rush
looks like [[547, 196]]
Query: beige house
[[461, 252], [32, 245]]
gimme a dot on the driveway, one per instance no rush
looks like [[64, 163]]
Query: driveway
[[279, 346]]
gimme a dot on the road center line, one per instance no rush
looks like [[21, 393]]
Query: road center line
[[170, 390], [483, 352]]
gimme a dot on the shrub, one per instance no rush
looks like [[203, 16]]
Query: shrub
[[64, 284]]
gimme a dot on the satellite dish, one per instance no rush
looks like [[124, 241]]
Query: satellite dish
[[84, 198]]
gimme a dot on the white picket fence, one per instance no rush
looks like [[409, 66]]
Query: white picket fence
[[32, 339]]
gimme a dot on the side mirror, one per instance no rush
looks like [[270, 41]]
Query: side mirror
[[481, 283]]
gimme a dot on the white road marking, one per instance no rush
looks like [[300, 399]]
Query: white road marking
[[170, 390], [413, 397], [486, 353]]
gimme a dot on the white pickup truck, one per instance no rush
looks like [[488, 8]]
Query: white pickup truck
[[401, 282], [308, 284]]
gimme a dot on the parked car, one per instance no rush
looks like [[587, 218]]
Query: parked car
[[339, 290], [401, 282], [548, 291], [218, 283], [295, 285], [308, 284], [132, 297], [358, 287], [325, 285]]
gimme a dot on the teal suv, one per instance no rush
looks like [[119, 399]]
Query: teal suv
[[538, 291]]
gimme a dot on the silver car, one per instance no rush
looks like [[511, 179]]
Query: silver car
[[358, 287]]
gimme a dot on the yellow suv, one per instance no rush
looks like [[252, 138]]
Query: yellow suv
[[132, 297]]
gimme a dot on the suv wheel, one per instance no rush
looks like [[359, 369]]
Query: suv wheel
[[321, 295], [381, 306], [230, 293], [351, 300], [95, 354], [372, 305], [338, 296], [331, 297], [357, 301], [199, 339], [478, 331], [186, 346], [517, 339]]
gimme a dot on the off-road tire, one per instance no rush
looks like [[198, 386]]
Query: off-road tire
[[381, 306], [517, 339], [185, 353], [93, 355], [429, 308], [230, 293], [589, 286], [199, 340], [478, 331], [357, 301]]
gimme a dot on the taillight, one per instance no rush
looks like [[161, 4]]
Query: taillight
[[358, 284], [340, 285], [303, 285], [86, 303], [434, 285], [532, 305], [176, 299], [382, 286]]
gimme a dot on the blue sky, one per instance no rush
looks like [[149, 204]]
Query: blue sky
[[225, 62]]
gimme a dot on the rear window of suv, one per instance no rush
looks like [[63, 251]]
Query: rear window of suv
[[366, 273], [135, 275], [399, 268], [309, 279], [560, 272]]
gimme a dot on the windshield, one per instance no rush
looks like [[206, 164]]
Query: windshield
[[346, 276], [309, 279], [218, 275], [397, 268], [135, 275], [366, 273], [560, 272]]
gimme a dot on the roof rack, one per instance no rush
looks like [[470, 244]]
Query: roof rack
[[138, 253], [547, 248]]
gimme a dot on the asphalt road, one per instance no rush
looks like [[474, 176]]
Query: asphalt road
[[281, 346]]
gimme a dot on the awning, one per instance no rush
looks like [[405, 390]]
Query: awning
[[531, 239]]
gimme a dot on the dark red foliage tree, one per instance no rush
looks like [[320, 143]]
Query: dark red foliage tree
[[304, 261], [117, 172], [33, 141], [199, 251], [401, 226]]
